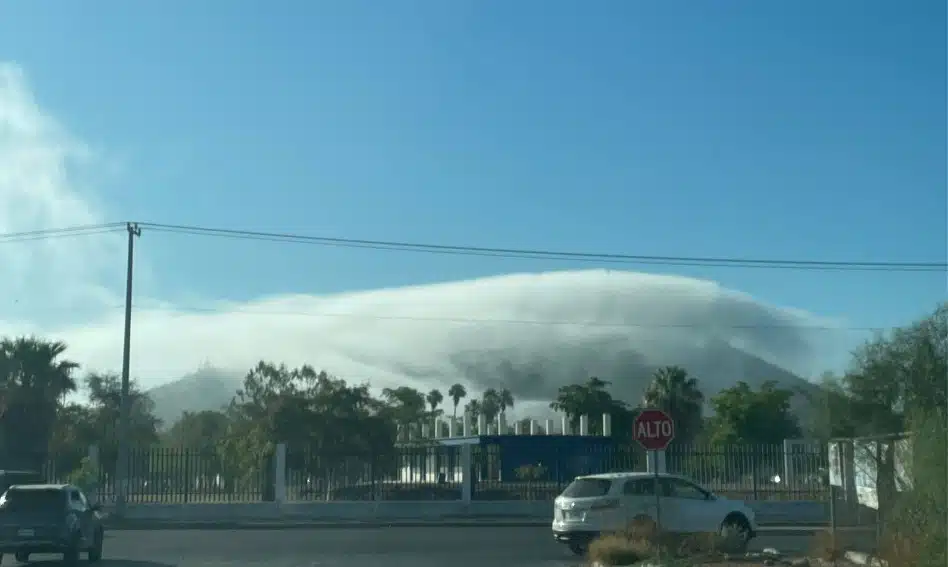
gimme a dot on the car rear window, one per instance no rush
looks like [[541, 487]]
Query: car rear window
[[588, 488], [29, 500]]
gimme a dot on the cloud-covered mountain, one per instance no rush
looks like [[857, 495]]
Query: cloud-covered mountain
[[530, 333]]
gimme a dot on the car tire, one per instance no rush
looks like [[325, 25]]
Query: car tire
[[578, 548], [71, 555], [736, 524], [95, 552], [22, 557]]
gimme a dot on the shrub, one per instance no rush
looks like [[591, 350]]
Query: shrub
[[825, 545], [641, 540], [620, 549], [916, 529], [86, 477]]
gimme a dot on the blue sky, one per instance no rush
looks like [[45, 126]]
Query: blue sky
[[801, 130]]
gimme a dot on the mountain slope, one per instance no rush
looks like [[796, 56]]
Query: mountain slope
[[207, 388]]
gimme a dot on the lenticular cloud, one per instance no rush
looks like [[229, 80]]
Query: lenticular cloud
[[530, 333]]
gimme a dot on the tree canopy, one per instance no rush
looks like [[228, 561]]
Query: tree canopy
[[892, 377]]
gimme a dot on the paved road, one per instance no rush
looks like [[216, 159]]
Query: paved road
[[351, 547]]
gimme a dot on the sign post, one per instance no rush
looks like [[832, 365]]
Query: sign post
[[654, 430]]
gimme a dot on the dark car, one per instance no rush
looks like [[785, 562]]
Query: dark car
[[49, 518]]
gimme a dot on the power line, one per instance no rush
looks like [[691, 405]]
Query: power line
[[66, 232], [465, 250], [550, 254]]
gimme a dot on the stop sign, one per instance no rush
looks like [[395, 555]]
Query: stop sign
[[653, 429]]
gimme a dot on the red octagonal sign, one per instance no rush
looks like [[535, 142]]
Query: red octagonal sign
[[653, 429]]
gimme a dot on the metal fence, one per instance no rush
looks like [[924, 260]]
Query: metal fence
[[405, 473], [172, 475], [792, 471]]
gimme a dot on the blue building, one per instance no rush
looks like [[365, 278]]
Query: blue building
[[552, 458]]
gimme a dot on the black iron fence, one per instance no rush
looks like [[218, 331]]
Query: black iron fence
[[175, 475], [404, 473]]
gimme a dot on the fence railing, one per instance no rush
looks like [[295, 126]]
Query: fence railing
[[176, 475]]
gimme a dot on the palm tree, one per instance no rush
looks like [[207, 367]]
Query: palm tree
[[672, 389], [473, 409], [506, 400], [456, 392], [434, 398], [33, 382], [490, 404]]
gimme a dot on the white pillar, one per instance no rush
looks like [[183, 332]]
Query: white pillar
[[584, 425], [482, 425], [655, 459], [564, 424], [607, 425], [549, 427], [501, 424], [467, 424], [533, 427], [518, 428], [467, 484]]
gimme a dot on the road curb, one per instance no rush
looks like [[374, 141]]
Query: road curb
[[130, 525]]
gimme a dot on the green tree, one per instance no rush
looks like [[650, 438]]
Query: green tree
[[105, 400], [676, 392], [201, 430], [73, 433], [743, 415], [434, 399], [34, 380], [832, 412], [896, 374], [490, 404], [456, 392], [592, 398], [473, 411], [506, 400], [324, 421], [405, 405]]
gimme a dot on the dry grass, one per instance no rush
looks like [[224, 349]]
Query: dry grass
[[641, 540], [826, 546]]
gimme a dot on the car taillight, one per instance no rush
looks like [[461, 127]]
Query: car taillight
[[605, 504]]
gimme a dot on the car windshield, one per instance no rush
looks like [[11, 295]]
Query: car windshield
[[588, 488], [21, 500]]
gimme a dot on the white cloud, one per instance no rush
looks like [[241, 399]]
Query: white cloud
[[560, 326], [531, 332], [41, 173]]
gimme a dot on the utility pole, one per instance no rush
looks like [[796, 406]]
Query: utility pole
[[121, 474]]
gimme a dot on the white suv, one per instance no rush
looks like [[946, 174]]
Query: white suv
[[603, 503]]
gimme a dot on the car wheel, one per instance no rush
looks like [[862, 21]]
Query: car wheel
[[578, 548], [95, 552], [22, 557], [71, 555], [735, 531]]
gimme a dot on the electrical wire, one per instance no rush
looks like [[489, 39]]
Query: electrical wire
[[66, 232], [536, 254], [549, 254]]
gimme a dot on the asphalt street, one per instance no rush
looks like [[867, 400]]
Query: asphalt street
[[352, 547]]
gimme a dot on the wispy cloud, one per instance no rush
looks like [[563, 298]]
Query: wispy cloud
[[42, 168]]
